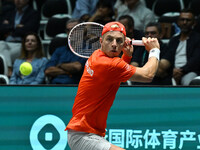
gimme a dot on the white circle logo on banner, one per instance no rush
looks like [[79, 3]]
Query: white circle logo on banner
[[39, 124]]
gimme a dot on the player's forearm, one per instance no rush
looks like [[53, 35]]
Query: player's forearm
[[148, 71], [151, 68]]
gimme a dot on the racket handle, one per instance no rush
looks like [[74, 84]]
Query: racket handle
[[137, 42]]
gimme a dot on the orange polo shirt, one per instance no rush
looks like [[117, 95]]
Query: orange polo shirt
[[97, 90]]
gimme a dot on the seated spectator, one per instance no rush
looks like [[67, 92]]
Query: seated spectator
[[85, 9], [184, 51], [129, 24], [31, 52], [136, 9], [104, 12], [140, 55], [64, 66], [17, 22], [14, 24]]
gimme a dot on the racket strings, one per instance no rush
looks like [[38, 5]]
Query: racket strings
[[84, 39]]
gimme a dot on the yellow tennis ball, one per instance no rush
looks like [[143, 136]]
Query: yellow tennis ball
[[25, 68]]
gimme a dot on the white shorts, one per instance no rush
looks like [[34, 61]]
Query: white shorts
[[86, 141]]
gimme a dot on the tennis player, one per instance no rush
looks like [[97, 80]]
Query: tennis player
[[103, 73]]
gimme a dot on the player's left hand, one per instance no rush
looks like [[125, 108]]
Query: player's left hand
[[128, 48]]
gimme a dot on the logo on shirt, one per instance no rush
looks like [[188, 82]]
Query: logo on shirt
[[89, 70]]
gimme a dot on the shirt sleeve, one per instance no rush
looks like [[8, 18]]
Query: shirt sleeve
[[120, 70], [126, 58]]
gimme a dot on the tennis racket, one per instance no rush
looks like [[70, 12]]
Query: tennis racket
[[83, 39]]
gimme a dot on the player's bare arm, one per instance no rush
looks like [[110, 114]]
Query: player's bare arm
[[148, 71]]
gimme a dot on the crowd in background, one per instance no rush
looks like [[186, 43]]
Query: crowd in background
[[21, 40]]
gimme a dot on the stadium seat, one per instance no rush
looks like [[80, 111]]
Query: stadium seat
[[149, 3], [4, 79], [167, 12], [195, 81], [53, 7], [161, 7], [55, 25], [73, 4], [186, 3], [3, 65], [55, 43], [195, 6], [197, 26]]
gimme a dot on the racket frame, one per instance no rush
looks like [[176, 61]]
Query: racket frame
[[133, 42], [71, 32]]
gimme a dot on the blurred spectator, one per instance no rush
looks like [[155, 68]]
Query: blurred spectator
[[31, 52], [140, 55], [103, 14], [17, 22], [14, 24], [84, 9], [136, 9], [184, 51], [64, 66], [129, 24]]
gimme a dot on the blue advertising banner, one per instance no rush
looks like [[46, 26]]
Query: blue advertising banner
[[34, 117]]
